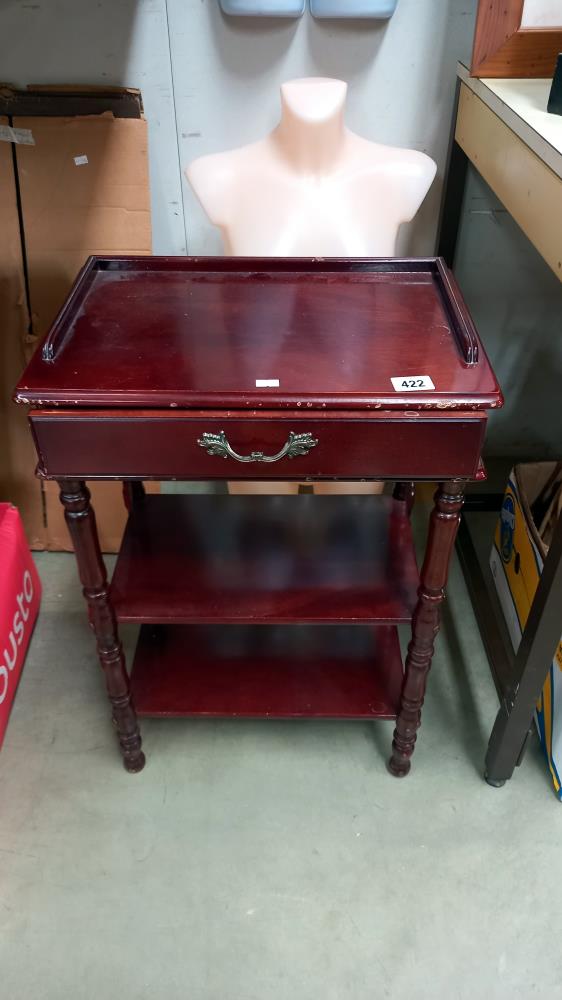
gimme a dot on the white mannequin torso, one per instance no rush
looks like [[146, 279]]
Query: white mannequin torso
[[312, 187]]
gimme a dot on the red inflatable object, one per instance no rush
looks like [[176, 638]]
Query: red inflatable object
[[20, 596]]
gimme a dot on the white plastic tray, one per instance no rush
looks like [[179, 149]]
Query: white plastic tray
[[263, 8], [353, 8]]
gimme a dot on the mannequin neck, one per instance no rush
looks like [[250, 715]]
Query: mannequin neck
[[311, 133]]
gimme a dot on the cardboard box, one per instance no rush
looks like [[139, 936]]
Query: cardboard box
[[516, 562], [20, 595], [84, 189], [17, 453]]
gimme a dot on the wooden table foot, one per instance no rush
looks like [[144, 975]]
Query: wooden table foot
[[80, 518], [443, 527], [134, 765], [398, 768]]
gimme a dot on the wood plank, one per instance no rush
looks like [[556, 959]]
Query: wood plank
[[530, 191], [497, 21], [527, 53], [503, 49]]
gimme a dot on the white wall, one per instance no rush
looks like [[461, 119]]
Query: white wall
[[210, 82], [541, 14]]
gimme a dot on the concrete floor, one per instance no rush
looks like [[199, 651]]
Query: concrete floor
[[267, 861]]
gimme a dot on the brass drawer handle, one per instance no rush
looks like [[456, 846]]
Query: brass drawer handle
[[296, 444]]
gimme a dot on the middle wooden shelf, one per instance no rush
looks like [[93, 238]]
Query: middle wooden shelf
[[266, 559]]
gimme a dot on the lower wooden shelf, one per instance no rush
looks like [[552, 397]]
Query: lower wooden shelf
[[268, 671]]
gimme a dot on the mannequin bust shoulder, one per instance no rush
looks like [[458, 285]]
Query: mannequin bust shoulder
[[312, 186]]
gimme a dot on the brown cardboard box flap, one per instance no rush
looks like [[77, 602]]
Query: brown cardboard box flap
[[532, 478], [61, 100]]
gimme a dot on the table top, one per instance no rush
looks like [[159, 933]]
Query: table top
[[521, 105], [266, 333]]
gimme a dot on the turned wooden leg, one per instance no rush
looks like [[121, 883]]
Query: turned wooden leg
[[405, 492], [80, 518], [443, 526], [133, 493]]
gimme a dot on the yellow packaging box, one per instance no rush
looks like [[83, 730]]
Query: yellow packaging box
[[516, 562]]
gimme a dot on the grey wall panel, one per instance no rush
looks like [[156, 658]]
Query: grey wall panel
[[516, 302], [122, 43]]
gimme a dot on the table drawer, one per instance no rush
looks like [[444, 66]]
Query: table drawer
[[163, 445]]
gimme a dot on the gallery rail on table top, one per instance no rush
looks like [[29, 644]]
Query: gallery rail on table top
[[267, 268]]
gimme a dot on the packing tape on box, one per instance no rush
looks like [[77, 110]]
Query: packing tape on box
[[20, 135]]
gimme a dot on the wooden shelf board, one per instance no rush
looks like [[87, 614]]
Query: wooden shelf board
[[297, 671], [266, 559]]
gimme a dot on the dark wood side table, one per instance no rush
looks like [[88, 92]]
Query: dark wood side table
[[183, 368]]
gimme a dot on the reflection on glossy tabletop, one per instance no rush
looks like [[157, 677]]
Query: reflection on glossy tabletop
[[266, 559]]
